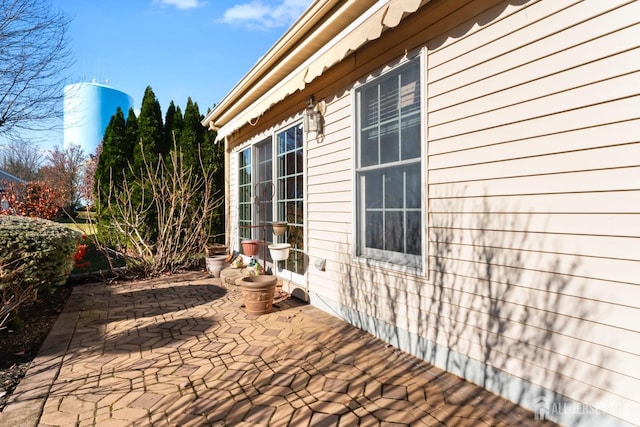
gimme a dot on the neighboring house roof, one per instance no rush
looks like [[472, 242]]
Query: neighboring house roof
[[326, 33], [6, 176]]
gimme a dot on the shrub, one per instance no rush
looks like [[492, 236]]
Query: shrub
[[34, 199], [36, 252]]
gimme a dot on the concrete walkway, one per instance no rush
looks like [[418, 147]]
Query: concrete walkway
[[181, 351]]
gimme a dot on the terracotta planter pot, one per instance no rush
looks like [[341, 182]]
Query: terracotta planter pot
[[257, 293], [215, 264], [279, 251], [250, 247]]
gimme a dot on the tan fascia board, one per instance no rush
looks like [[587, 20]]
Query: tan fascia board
[[286, 55]]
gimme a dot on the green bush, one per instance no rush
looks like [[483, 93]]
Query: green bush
[[36, 252]]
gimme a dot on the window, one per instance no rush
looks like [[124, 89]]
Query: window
[[291, 193], [389, 167], [245, 190]]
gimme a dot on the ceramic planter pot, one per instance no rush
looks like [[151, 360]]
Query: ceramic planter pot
[[257, 293], [215, 264], [250, 247], [279, 251], [279, 227]]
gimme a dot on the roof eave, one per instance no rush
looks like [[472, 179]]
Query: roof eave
[[280, 50]]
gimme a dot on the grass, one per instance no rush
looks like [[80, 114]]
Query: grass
[[94, 260]]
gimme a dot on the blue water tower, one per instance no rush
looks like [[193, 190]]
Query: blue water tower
[[88, 108]]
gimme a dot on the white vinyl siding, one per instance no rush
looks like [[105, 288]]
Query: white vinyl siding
[[535, 197], [533, 115]]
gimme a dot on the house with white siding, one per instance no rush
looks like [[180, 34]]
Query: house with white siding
[[460, 178]]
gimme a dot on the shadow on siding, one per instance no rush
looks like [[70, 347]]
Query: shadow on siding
[[484, 310]]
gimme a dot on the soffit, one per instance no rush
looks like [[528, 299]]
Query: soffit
[[346, 29]]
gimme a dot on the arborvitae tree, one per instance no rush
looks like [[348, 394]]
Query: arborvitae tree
[[131, 132], [172, 125], [178, 125], [213, 152], [117, 153], [150, 131], [192, 136]]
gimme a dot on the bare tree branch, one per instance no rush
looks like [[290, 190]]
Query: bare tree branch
[[22, 159], [181, 202], [33, 59]]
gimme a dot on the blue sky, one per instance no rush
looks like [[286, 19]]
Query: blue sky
[[181, 48]]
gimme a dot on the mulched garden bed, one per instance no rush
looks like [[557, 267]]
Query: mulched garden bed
[[20, 341]]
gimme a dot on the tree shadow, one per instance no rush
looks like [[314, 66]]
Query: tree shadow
[[498, 308]]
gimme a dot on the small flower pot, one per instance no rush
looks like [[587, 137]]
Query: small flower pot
[[250, 247], [279, 251], [279, 227], [215, 264], [257, 293]]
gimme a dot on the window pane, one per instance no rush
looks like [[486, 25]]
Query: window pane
[[389, 143], [291, 163], [369, 148], [299, 206], [299, 137], [299, 162], [290, 186], [299, 187], [413, 191], [245, 176], [245, 158], [414, 232], [374, 229], [394, 188], [245, 193], [281, 211], [369, 110], [388, 99], [373, 190], [394, 231], [410, 90], [410, 137]]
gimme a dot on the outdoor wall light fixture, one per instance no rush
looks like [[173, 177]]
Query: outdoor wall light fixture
[[313, 119]]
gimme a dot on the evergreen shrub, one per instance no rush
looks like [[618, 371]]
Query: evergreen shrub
[[36, 252]]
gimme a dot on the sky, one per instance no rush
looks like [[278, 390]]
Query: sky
[[181, 48]]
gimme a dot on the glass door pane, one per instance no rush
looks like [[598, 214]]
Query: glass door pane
[[263, 195]]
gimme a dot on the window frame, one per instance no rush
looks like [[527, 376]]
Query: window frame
[[399, 261]]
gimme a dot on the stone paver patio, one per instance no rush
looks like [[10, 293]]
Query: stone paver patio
[[181, 351]]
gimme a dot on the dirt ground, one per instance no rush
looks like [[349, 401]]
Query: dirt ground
[[20, 341]]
